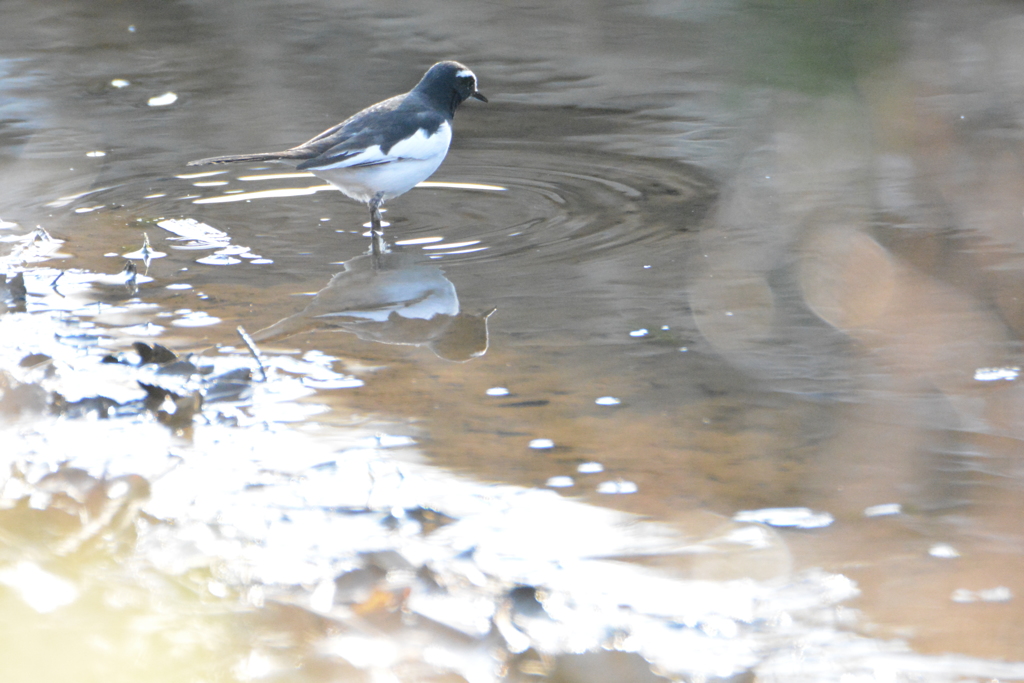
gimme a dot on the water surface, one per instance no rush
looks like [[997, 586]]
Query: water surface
[[693, 259]]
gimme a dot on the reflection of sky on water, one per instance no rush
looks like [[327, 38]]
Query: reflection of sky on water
[[302, 191]]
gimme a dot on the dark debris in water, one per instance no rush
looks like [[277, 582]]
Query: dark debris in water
[[175, 388], [98, 406], [155, 353], [13, 294], [69, 511], [536, 403], [146, 354], [177, 412]]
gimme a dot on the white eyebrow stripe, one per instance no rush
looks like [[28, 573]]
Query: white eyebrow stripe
[[465, 72]]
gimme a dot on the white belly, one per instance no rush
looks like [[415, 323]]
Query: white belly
[[362, 183], [373, 171]]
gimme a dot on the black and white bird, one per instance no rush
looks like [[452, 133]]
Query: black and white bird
[[386, 149]]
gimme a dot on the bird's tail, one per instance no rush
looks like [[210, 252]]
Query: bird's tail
[[259, 156]]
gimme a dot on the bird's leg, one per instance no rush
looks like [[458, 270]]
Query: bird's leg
[[376, 237], [376, 248], [375, 219], [376, 232]]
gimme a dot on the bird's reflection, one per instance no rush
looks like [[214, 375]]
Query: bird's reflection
[[394, 297]]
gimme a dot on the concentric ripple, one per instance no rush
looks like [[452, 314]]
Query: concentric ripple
[[557, 204]]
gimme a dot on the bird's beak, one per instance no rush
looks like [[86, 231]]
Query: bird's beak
[[479, 96]]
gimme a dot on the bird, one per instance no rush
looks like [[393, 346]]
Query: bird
[[386, 149]]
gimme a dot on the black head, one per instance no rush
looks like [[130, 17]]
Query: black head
[[447, 85]]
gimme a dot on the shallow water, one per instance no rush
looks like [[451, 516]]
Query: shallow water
[[691, 260]]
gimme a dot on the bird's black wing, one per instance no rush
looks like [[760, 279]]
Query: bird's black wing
[[368, 137], [335, 136]]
